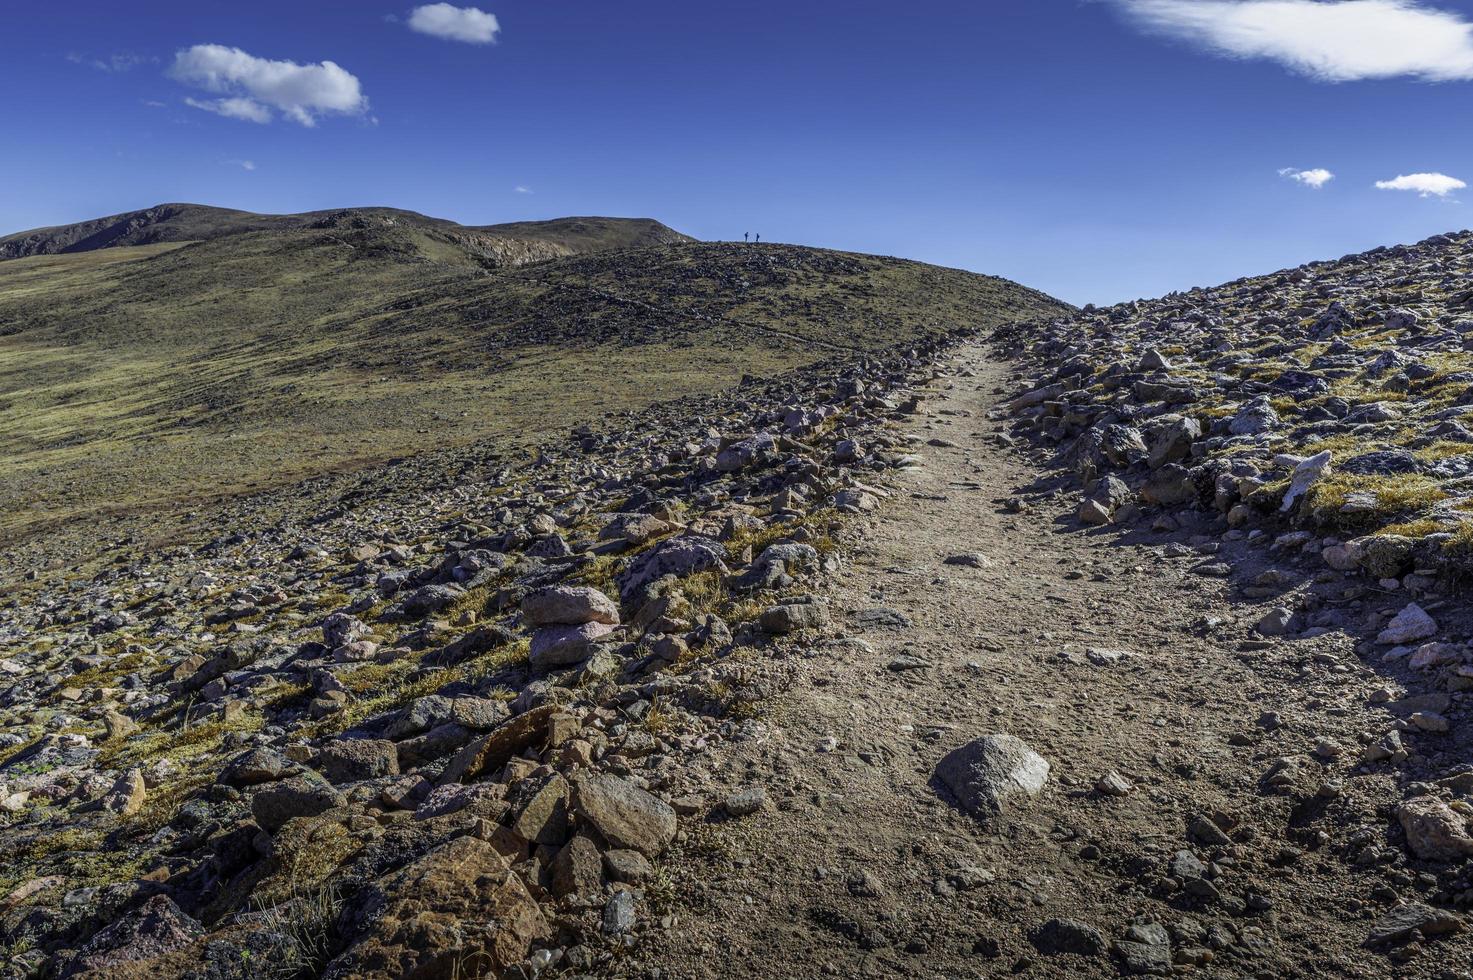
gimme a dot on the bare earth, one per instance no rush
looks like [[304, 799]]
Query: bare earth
[[859, 865]]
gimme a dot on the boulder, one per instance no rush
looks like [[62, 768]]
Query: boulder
[[624, 815], [153, 930], [1254, 418], [490, 752], [568, 605], [986, 774], [577, 869], [680, 556], [789, 617], [1386, 555], [1434, 830], [1068, 936], [1172, 442], [298, 796], [1398, 924], [1307, 472], [349, 760], [458, 911], [127, 794], [563, 646], [256, 766], [1412, 623]]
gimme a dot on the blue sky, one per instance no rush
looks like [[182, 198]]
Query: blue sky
[[1098, 150]]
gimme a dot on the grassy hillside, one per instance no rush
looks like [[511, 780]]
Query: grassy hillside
[[157, 376]]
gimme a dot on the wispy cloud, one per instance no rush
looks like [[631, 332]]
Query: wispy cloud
[[252, 87], [469, 24], [1425, 185], [248, 110], [123, 61], [524, 190], [243, 164], [1316, 178], [1328, 40]]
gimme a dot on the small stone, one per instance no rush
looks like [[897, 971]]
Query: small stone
[[746, 802], [1067, 936], [619, 913]]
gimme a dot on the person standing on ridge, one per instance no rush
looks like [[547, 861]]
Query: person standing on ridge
[[759, 238], [746, 237]]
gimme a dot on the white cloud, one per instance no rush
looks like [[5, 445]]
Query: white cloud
[[1426, 185], [1328, 40], [469, 24], [253, 86], [237, 108], [1316, 178], [524, 190], [245, 164]]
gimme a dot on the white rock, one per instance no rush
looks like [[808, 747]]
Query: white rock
[[1306, 473], [1412, 623]]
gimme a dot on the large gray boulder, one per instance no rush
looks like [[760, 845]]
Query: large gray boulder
[[568, 605], [986, 773], [563, 646]]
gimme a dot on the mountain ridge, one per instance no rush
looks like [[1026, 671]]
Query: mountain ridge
[[184, 222]]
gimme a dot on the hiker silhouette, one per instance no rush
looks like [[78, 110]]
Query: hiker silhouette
[[747, 236]]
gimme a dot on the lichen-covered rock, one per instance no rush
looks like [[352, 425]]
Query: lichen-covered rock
[[155, 929], [459, 911], [679, 556]]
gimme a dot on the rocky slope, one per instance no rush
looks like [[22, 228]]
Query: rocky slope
[[1318, 418], [1323, 405], [439, 733], [1144, 654]]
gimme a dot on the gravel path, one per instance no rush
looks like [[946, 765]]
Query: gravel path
[[860, 865]]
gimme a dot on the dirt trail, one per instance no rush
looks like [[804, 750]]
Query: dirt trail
[[860, 866]]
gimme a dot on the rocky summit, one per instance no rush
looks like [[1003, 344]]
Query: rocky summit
[[1037, 640]]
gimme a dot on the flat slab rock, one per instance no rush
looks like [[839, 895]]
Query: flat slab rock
[[1399, 924]]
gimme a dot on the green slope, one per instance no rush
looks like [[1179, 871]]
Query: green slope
[[157, 376]]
